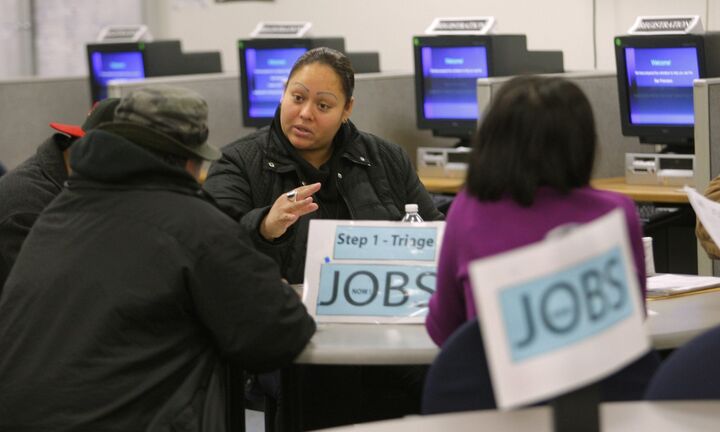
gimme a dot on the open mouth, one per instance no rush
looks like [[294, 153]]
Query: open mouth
[[302, 131]]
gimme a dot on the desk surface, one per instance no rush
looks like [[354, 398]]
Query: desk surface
[[663, 194], [671, 322], [442, 184], [622, 416], [675, 320], [369, 344]]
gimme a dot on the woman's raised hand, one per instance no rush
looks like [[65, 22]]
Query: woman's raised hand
[[287, 209]]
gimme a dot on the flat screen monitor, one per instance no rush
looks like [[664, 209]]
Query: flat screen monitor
[[655, 83], [120, 62], [446, 73], [264, 72]]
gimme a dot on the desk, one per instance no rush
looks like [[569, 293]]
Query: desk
[[442, 184], [658, 194], [369, 344], [671, 322], [650, 193], [617, 416], [675, 320]]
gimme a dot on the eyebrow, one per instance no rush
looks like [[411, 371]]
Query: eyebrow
[[319, 93]]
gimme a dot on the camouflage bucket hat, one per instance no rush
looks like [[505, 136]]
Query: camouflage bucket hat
[[166, 119]]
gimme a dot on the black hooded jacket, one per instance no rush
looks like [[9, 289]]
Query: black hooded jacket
[[126, 296], [374, 180]]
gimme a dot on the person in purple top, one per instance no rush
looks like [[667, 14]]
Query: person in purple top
[[529, 172]]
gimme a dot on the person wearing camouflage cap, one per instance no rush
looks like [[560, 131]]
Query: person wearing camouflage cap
[[29, 188], [133, 289]]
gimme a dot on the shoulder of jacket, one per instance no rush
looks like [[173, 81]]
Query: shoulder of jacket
[[247, 146], [384, 148]]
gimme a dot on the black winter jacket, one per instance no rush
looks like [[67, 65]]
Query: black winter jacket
[[24, 193], [127, 293], [375, 180]]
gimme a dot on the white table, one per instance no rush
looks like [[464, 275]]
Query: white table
[[369, 344], [620, 416], [671, 322], [675, 320]]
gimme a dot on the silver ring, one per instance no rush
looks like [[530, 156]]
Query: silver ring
[[291, 195]]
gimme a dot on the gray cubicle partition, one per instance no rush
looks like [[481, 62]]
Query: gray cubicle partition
[[384, 106], [28, 105], [601, 90], [706, 97]]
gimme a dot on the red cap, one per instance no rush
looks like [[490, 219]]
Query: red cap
[[101, 112], [72, 130]]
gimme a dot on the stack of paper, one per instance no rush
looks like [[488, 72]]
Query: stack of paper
[[664, 285]]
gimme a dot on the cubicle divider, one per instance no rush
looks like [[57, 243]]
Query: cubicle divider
[[706, 97], [384, 106], [29, 104], [601, 90], [221, 91]]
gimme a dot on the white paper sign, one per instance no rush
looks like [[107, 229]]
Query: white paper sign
[[560, 314], [707, 210], [371, 271]]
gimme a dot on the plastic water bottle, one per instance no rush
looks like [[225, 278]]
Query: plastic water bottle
[[411, 214]]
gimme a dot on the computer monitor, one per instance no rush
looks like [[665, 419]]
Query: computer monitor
[[447, 68], [120, 61], [655, 86], [137, 60], [264, 68], [446, 73]]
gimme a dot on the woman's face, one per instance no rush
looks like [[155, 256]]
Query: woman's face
[[312, 109]]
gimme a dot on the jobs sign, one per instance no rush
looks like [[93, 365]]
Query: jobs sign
[[561, 313], [371, 271]]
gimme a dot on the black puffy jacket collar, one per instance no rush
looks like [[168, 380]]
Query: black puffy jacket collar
[[277, 159]]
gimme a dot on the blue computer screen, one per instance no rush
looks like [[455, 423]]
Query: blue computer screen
[[266, 71], [449, 81], [660, 85], [108, 66]]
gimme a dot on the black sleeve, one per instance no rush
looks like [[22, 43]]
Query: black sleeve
[[256, 319], [227, 182], [13, 232], [229, 185]]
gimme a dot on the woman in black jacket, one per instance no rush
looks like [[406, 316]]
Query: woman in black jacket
[[312, 162]]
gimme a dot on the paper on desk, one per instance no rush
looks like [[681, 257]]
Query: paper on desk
[[664, 285], [708, 211]]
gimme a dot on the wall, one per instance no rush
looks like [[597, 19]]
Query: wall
[[388, 25]]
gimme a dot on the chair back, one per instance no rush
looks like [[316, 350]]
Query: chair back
[[690, 371], [459, 378]]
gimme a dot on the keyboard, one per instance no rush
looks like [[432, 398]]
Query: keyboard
[[651, 213]]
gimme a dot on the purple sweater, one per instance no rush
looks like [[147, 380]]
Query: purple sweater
[[477, 229]]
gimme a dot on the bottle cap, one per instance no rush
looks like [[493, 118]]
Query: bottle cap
[[411, 208]]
